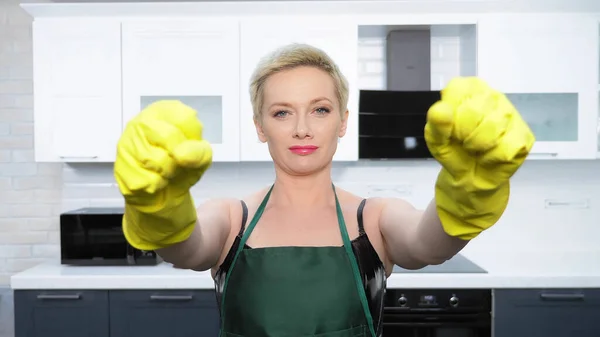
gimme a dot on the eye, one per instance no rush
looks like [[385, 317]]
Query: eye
[[280, 114], [322, 111]]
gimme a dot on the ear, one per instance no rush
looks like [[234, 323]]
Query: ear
[[259, 131], [344, 124]]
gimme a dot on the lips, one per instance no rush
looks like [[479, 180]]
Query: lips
[[303, 150], [304, 147]]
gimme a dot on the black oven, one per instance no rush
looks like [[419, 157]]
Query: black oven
[[437, 313]]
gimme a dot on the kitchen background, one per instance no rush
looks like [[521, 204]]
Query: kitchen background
[[32, 195]]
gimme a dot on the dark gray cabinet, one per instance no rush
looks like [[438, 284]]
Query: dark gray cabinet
[[193, 313], [116, 313], [163, 313], [64, 313], [547, 312]]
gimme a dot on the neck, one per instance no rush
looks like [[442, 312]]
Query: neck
[[303, 191]]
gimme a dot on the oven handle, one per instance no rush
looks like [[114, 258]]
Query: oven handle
[[436, 324], [413, 324]]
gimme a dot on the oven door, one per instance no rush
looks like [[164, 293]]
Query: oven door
[[436, 324]]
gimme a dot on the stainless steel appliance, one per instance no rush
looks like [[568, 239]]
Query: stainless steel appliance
[[439, 312], [94, 237]]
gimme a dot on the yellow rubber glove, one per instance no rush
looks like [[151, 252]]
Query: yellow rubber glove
[[480, 140], [160, 156]]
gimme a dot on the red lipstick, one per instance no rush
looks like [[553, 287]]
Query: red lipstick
[[303, 150]]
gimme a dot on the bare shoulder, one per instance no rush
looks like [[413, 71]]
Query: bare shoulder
[[236, 214], [221, 209], [372, 209], [349, 200], [231, 207]]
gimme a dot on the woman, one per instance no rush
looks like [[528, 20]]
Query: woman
[[303, 257]]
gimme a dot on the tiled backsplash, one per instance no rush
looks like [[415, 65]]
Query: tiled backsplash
[[553, 204]]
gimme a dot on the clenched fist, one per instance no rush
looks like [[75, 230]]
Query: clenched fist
[[160, 156], [480, 140]]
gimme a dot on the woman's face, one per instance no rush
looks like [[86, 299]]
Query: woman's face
[[301, 119]]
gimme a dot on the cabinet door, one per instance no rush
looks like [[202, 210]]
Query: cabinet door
[[64, 313], [77, 90], [160, 313], [548, 65], [196, 62], [337, 37], [546, 312]]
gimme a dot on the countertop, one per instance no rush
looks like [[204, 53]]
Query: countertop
[[506, 270]]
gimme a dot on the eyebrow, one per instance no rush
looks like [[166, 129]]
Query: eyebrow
[[316, 100]]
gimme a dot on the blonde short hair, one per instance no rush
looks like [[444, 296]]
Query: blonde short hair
[[289, 57]]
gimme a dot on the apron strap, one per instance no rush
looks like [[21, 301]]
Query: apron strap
[[354, 264], [240, 247]]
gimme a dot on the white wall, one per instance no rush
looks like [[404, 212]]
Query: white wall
[[32, 195]]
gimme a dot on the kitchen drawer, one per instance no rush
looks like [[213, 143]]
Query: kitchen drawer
[[546, 312], [548, 297], [159, 297], [64, 313], [173, 313]]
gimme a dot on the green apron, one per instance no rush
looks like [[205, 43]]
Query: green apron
[[295, 291]]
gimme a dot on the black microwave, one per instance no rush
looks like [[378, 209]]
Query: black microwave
[[94, 237]]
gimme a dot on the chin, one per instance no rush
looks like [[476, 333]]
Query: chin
[[302, 165], [303, 169]]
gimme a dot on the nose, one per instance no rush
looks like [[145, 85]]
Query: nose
[[302, 129]]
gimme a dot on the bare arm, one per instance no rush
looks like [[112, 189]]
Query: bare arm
[[202, 249], [415, 238]]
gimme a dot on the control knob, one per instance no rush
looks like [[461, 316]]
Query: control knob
[[454, 301], [402, 301]]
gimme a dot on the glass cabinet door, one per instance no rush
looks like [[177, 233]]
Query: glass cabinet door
[[548, 66], [196, 63], [555, 120]]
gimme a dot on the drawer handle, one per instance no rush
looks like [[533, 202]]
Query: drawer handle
[[171, 297], [59, 297], [562, 297]]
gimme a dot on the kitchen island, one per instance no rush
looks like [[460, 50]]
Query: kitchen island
[[534, 294]]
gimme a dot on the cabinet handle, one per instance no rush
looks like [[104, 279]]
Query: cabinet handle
[[171, 297], [58, 297], [570, 204], [78, 157], [562, 297], [544, 154]]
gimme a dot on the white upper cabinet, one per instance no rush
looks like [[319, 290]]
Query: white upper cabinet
[[97, 66], [77, 90], [260, 36], [194, 61], [548, 66]]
